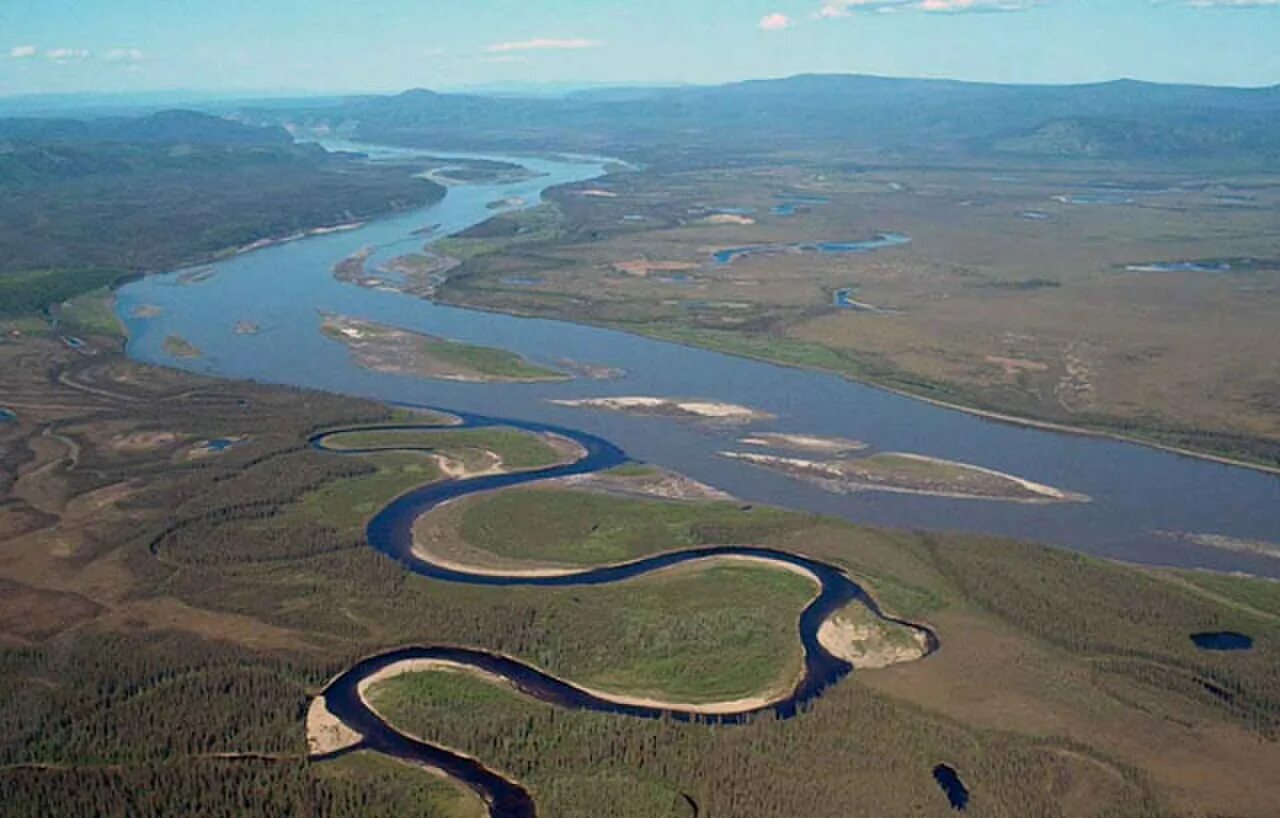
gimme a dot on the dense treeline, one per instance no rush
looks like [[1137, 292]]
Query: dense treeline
[[1138, 626], [215, 788], [852, 753], [129, 699], [119, 715]]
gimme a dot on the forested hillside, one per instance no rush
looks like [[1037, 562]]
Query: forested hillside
[[897, 117], [88, 203]]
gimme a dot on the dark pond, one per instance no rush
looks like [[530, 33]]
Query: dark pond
[[844, 299], [1222, 640], [949, 780], [7, 415]]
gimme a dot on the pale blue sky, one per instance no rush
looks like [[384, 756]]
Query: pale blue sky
[[385, 45]]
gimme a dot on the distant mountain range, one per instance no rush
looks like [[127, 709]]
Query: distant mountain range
[[163, 128], [1126, 120]]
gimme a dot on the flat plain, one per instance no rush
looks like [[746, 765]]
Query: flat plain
[[1110, 297]]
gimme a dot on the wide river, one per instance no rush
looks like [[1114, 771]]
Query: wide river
[[1139, 494]]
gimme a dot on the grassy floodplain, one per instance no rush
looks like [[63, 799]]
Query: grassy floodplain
[[583, 528], [150, 596], [518, 450], [1058, 323], [384, 348]]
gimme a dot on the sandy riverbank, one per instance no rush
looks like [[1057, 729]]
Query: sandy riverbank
[[672, 407]]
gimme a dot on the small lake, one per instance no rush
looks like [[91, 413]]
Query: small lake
[[221, 444], [7, 415], [1222, 640], [880, 242], [802, 199], [844, 299], [1138, 492], [951, 785]]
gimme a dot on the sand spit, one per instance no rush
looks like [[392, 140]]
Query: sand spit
[[1225, 543], [868, 645], [893, 472], [729, 218], [697, 409], [804, 443], [325, 732], [397, 351]]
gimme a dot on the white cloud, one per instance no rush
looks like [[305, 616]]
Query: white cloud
[[775, 22], [124, 55], [542, 44], [64, 54], [847, 8], [22, 52]]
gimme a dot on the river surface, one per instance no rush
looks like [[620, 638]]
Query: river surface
[[1139, 494]]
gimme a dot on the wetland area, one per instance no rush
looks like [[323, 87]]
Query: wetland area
[[1138, 494], [753, 475]]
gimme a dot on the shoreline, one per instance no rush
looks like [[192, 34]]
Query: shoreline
[[543, 570], [728, 707], [1046, 495]]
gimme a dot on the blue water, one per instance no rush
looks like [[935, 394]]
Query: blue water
[[1138, 493], [791, 205], [391, 533], [802, 199], [881, 242], [7, 415], [955, 790], [222, 444], [844, 300], [1222, 640]]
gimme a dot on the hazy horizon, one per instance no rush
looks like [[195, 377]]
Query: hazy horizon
[[549, 89]]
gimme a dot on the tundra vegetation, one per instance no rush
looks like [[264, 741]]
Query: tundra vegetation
[[1097, 256], [167, 620]]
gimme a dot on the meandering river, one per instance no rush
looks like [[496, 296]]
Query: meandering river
[[391, 532], [1139, 494]]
